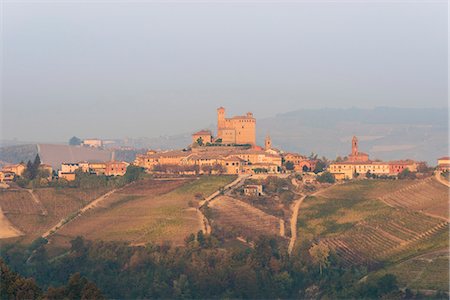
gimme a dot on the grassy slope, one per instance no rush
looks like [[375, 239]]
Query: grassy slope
[[140, 218], [337, 211]]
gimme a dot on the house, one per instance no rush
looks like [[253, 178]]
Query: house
[[116, 168], [253, 190], [444, 164], [17, 169], [202, 137], [6, 176], [69, 167], [98, 168], [94, 143], [67, 176]]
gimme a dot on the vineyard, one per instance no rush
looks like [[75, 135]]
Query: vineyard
[[147, 211], [33, 217], [238, 218], [428, 196], [364, 230]]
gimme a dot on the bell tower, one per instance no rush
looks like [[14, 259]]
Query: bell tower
[[267, 143], [354, 146]]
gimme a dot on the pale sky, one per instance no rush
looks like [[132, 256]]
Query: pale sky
[[116, 69]]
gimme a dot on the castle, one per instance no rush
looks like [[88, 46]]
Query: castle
[[236, 130]]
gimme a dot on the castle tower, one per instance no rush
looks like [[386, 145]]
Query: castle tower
[[354, 146], [220, 120], [267, 143]]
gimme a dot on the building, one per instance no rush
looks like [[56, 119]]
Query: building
[[253, 190], [301, 162], [202, 137], [69, 167], [358, 163], [17, 169], [267, 143], [67, 176], [6, 176], [397, 166], [349, 170], [97, 168], [228, 160], [444, 164], [94, 143], [357, 156], [236, 130], [116, 168]]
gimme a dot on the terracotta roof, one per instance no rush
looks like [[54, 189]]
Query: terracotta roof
[[203, 132], [444, 158]]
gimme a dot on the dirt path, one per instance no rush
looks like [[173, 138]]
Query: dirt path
[[44, 212], [65, 221], [282, 229], [438, 177], [295, 209], [7, 230]]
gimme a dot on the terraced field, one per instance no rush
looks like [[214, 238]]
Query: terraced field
[[428, 196], [242, 219], [33, 217], [363, 230], [150, 211]]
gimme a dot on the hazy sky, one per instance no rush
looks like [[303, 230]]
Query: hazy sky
[[111, 69]]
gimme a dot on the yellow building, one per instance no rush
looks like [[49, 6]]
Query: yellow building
[[444, 164], [236, 130], [17, 169], [347, 170], [205, 136]]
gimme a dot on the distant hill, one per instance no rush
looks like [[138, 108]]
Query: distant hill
[[384, 132]]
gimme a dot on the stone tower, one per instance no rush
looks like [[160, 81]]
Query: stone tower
[[220, 120], [354, 146], [267, 143]]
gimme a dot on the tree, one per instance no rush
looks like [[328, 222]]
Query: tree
[[326, 177], [74, 141], [406, 174], [133, 173], [305, 168], [200, 141], [319, 254], [290, 165], [320, 166]]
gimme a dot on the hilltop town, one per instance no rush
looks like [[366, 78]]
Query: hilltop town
[[232, 151], [225, 192]]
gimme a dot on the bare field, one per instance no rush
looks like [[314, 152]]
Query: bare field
[[148, 211], [242, 219]]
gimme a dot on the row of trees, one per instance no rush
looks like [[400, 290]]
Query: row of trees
[[203, 268]]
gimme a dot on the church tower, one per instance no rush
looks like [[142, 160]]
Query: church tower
[[354, 146], [267, 143]]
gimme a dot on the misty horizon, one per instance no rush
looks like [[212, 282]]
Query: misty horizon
[[151, 69]]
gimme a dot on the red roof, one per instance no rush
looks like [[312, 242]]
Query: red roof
[[202, 132], [444, 158]]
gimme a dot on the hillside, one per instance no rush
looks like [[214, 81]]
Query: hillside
[[33, 212], [363, 230], [146, 211]]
